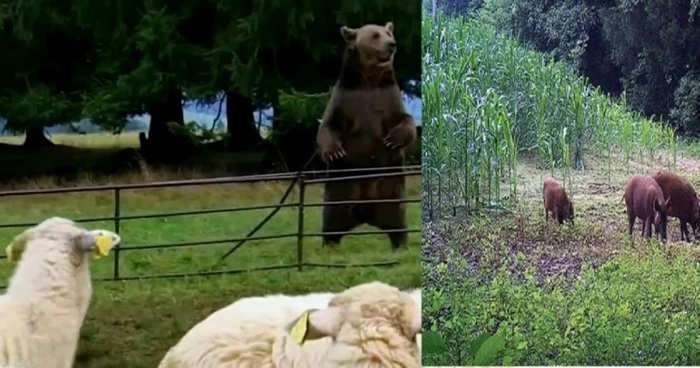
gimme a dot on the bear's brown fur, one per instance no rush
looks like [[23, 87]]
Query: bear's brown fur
[[365, 125], [556, 202], [685, 205], [645, 201]]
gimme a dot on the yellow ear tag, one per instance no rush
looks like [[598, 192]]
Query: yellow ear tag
[[300, 328], [103, 244], [8, 253]]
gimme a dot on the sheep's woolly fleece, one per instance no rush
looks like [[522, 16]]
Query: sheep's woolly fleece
[[254, 332], [48, 295]]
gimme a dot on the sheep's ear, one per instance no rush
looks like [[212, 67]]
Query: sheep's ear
[[325, 322], [300, 330], [15, 249], [412, 318], [98, 241]]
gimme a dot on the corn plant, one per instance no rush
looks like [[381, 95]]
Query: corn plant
[[488, 99]]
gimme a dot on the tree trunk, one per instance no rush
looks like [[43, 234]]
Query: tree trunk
[[35, 137], [162, 144], [241, 122], [166, 110]]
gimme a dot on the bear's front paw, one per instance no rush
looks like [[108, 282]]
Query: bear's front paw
[[393, 141], [329, 154]]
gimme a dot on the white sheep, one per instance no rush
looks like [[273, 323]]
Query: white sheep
[[256, 332], [48, 295]]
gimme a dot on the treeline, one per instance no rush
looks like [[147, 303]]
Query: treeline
[[648, 50], [66, 61]]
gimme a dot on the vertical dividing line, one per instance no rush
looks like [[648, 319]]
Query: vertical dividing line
[[300, 224], [117, 211]]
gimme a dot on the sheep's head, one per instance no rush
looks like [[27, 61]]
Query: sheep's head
[[373, 325], [80, 240]]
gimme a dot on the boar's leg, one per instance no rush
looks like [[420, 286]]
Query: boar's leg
[[685, 236], [630, 225], [647, 225]]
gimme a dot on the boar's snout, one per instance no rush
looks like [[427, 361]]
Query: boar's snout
[[660, 224], [570, 213]]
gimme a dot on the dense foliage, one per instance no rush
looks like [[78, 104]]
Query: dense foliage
[[488, 100], [634, 310], [649, 48], [105, 61]]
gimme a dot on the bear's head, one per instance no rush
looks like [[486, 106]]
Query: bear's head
[[370, 47]]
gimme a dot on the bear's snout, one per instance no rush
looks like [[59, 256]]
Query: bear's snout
[[391, 47]]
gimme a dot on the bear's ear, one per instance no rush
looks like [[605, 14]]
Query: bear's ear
[[348, 34], [390, 27]]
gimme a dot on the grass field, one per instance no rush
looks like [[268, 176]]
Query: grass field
[[133, 323], [570, 295], [95, 140]]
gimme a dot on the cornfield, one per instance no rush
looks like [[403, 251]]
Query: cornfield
[[487, 100]]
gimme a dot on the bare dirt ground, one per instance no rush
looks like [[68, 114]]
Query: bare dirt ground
[[519, 238]]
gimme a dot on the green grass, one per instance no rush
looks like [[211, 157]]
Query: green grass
[[94, 140], [76, 155], [102, 140], [565, 295], [133, 323]]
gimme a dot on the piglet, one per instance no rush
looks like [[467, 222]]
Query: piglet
[[556, 202]]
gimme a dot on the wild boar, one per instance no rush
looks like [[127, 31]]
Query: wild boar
[[556, 202], [644, 200], [686, 203]]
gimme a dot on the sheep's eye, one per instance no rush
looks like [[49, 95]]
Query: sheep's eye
[[375, 35]]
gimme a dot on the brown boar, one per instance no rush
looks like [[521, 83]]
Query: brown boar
[[645, 200], [686, 203], [556, 202]]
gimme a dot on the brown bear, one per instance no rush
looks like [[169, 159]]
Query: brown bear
[[365, 125]]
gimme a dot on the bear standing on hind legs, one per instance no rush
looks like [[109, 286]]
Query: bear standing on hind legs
[[365, 125]]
